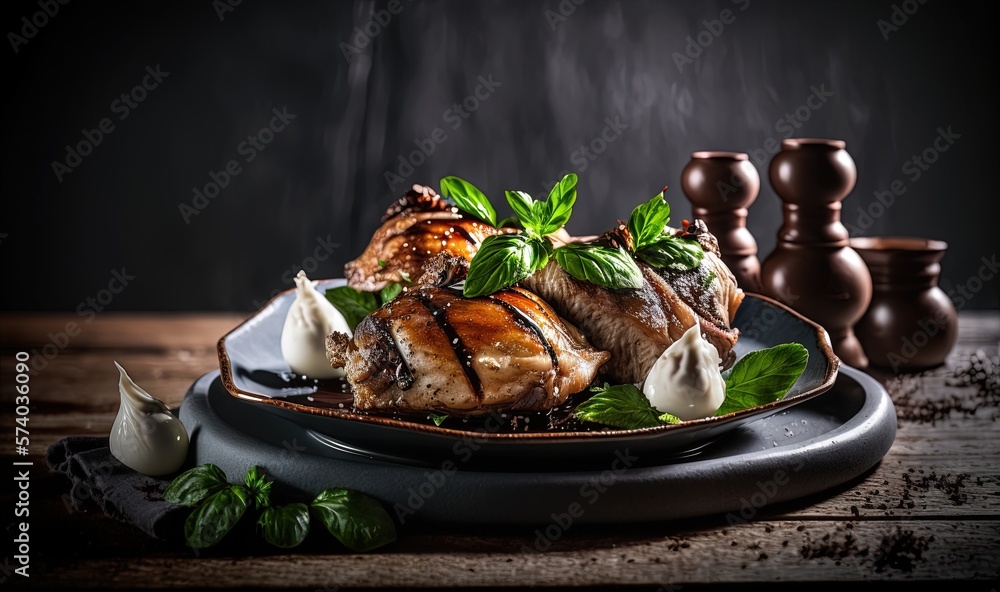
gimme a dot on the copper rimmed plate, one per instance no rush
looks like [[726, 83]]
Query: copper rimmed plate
[[253, 370]]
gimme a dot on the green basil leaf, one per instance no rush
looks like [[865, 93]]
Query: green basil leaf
[[669, 419], [522, 204], [555, 211], [622, 406], [353, 304], [502, 261], [469, 199], [258, 487], [389, 292], [508, 222], [671, 252], [608, 267], [763, 376], [648, 221], [285, 526], [359, 522], [437, 418], [215, 517], [194, 485]]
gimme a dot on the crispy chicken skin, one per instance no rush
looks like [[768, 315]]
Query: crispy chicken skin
[[415, 228], [432, 349], [636, 326]]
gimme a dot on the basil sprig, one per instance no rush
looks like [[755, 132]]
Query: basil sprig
[[655, 244], [503, 260], [621, 406], [608, 267], [356, 520], [355, 305], [359, 522], [763, 376], [758, 378], [469, 199]]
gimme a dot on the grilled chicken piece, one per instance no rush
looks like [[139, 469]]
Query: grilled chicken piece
[[431, 349], [636, 326], [415, 228]]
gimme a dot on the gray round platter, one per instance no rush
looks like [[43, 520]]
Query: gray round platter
[[805, 449]]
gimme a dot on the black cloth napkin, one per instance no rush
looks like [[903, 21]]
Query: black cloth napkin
[[98, 480]]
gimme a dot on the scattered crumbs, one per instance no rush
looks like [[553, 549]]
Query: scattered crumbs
[[837, 545], [901, 549], [762, 557], [854, 510], [974, 391]]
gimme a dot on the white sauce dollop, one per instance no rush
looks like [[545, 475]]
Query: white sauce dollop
[[146, 436], [303, 338], [686, 380]]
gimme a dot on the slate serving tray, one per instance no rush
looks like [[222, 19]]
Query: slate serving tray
[[805, 449]]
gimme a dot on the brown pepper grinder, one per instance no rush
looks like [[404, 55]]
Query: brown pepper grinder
[[813, 269], [721, 186]]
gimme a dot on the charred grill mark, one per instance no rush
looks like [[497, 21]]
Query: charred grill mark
[[401, 373], [526, 322], [462, 354]]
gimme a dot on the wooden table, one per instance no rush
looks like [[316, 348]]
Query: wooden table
[[929, 511]]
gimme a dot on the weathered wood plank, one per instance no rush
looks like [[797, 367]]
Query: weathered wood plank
[[753, 553], [115, 330]]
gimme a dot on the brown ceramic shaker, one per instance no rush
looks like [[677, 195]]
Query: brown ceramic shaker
[[911, 324], [721, 186], [813, 269]]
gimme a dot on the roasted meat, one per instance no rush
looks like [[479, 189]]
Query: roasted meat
[[431, 349], [636, 326], [416, 227]]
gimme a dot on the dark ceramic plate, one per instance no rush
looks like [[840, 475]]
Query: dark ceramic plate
[[252, 369]]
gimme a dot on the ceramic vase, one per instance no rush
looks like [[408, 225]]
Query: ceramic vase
[[721, 186], [911, 324], [813, 268]]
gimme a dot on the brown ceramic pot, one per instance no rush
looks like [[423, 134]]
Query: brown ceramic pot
[[813, 269], [721, 186], [911, 324]]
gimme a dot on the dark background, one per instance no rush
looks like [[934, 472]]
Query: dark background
[[323, 178]]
